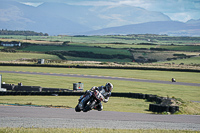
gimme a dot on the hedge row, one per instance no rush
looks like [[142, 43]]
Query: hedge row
[[62, 55], [101, 67]]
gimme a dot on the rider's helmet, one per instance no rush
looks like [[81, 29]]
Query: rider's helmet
[[108, 87]]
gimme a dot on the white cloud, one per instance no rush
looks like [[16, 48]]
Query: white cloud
[[180, 10], [138, 3], [32, 4], [183, 16]]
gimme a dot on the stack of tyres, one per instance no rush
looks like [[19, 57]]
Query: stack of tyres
[[177, 108], [151, 107], [173, 109], [141, 96], [132, 95], [151, 98], [18, 93], [159, 100], [163, 108]]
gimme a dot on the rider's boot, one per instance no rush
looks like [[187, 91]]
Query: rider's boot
[[99, 107]]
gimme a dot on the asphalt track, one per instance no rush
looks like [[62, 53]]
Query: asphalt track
[[41, 117], [104, 77]]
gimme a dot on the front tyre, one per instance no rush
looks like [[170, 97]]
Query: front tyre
[[77, 109]]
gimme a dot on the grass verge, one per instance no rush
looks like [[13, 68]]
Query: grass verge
[[186, 93], [114, 104], [89, 130], [189, 77]]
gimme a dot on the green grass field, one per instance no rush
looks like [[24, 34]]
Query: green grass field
[[129, 39], [95, 50], [190, 77], [182, 48], [111, 45], [17, 56], [76, 48], [114, 104], [178, 91], [192, 61], [71, 58]]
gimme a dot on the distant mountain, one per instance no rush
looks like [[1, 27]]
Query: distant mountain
[[158, 27], [17, 16], [193, 22], [59, 18], [124, 15]]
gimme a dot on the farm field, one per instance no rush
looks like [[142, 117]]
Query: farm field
[[127, 39], [20, 56], [146, 50], [193, 60], [73, 48]]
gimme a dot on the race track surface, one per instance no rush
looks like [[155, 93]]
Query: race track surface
[[41, 117], [104, 77]]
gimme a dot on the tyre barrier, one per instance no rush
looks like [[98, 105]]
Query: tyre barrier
[[162, 103], [163, 108], [13, 93], [129, 95]]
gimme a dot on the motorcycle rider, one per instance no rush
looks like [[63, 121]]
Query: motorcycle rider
[[104, 90], [173, 80]]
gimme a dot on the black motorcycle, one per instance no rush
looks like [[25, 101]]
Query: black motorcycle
[[173, 80], [95, 98]]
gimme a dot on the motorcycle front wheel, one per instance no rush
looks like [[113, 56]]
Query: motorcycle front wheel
[[77, 109]]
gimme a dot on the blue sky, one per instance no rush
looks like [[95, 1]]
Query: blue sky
[[178, 10]]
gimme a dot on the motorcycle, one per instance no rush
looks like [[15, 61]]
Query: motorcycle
[[95, 98], [173, 80]]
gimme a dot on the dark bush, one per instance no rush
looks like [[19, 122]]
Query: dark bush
[[180, 55]]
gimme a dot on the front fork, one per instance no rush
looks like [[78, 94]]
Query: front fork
[[83, 100]]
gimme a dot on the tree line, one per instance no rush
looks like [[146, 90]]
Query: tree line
[[24, 33]]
